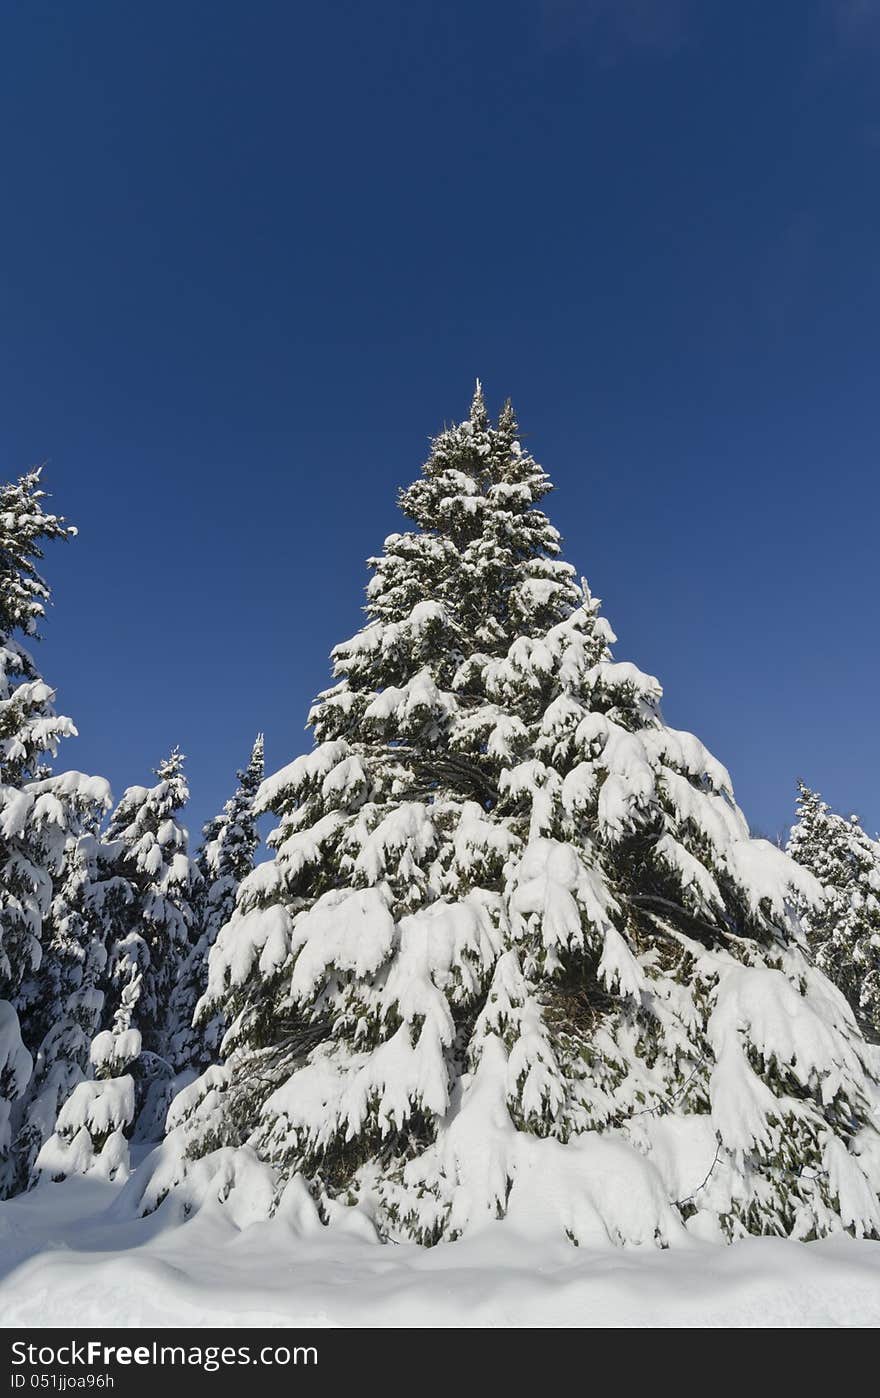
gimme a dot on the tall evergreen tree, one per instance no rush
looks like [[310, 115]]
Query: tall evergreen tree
[[517, 953], [844, 929], [226, 857], [29, 726], [41, 816]]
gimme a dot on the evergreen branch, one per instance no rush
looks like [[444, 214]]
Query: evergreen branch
[[454, 770], [648, 899], [667, 1103]]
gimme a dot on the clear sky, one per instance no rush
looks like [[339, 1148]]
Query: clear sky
[[254, 254]]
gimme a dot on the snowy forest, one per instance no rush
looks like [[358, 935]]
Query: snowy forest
[[512, 958]]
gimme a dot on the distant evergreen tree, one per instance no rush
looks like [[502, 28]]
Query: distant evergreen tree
[[844, 930], [146, 848], [41, 817], [144, 883], [66, 1016], [516, 953], [226, 857]]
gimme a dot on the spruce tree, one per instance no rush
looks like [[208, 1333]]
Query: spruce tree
[[144, 882], [41, 817], [29, 726], [146, 848], [844, 930], [67, 1016], [225, 858], [516, 953]]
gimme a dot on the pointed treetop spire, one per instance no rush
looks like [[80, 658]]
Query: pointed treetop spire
[[24, 526], [507, 418], [249, 777], [479, 416], [172, 765], [170, 772]]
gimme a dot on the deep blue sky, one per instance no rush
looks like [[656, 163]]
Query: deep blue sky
[[253, 255]]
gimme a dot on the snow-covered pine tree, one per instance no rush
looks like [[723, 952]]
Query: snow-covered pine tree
[[225, 858], [41, 817], [844, 930], [517, 954], [66, 1015], [144, 883], [146, 846]]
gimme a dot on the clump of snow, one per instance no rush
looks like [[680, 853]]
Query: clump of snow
[[111, 1052], [102, 1106]]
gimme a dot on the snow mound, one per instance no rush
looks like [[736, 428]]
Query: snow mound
[[69, 1243]]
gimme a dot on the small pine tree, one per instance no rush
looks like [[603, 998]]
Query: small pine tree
[[226, 857], [41, 817], [66, 1016], [844, 930], [143, 884], [145, 847], [517, 953]]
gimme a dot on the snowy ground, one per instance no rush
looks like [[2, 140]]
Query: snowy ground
[[67, 1260]]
